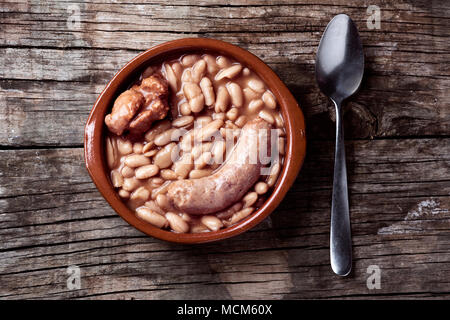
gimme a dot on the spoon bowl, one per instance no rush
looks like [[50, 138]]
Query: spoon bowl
[[340, 59]]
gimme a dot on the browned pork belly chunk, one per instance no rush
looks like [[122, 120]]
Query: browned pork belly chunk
[[124, 109], [156, 110], [137, 108]]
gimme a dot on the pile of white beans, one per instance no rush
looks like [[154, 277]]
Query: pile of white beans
[[210, 96]]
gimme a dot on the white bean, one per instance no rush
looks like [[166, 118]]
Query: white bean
[[223, 62], [161, 126], [183, 121], [222, 100], [117, 179], [199, 148], [241, 121], [137, 147], [136, 160], [153, 206], [189, 59], [124, 194], [168, 174], [229, 211], [127, 172], [140, 194], [155, 182], [147, 171], [202, 121], [255, 106], [213, 223], [235, 91], [186, 141], [219, 115], [163, 158], [256, 85], [185, 109], [211, 64], [177, 69], [273, 176], [152, 217], [250, 95], [171, 77], [261, 187], [147, 147], [218, 150], [129, 184], [199, 228], [229, 72], [208, 91], [249, 199], [264, 114], [194, 96], [162, 201], [238, 216], [198, 70], [206, 146], [199, 173], [111, 153], [232, 114], [186, 217], [246, 71], [167, 136], [187, 76], [269, 100], [177, 223], [124, 146], [161, 189], [226, 131], [206, 132], [203, 160], [278, 120], [151, 153], [183, 165], [281, 146]]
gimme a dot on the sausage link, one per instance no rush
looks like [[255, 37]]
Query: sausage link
[[227, 186]]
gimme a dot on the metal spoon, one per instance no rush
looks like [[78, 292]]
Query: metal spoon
[[339, 71]]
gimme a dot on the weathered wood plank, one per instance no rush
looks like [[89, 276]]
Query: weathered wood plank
[[32, 110], [50, 69], [105, 25], [51, 217]]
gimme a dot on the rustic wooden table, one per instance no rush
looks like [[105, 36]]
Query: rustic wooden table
[[56, 57]]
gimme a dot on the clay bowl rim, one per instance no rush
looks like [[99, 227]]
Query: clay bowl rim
[[95, 129]]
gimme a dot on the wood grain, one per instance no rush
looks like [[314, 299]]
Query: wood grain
[[398, 148], [52, 68], [53, 217]]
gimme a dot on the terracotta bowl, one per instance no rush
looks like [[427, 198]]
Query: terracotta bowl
[[94, 135]]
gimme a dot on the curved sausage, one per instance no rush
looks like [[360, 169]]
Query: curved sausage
[[229, 184]]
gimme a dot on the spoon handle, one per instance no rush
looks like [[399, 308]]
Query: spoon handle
[[340, 237]]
